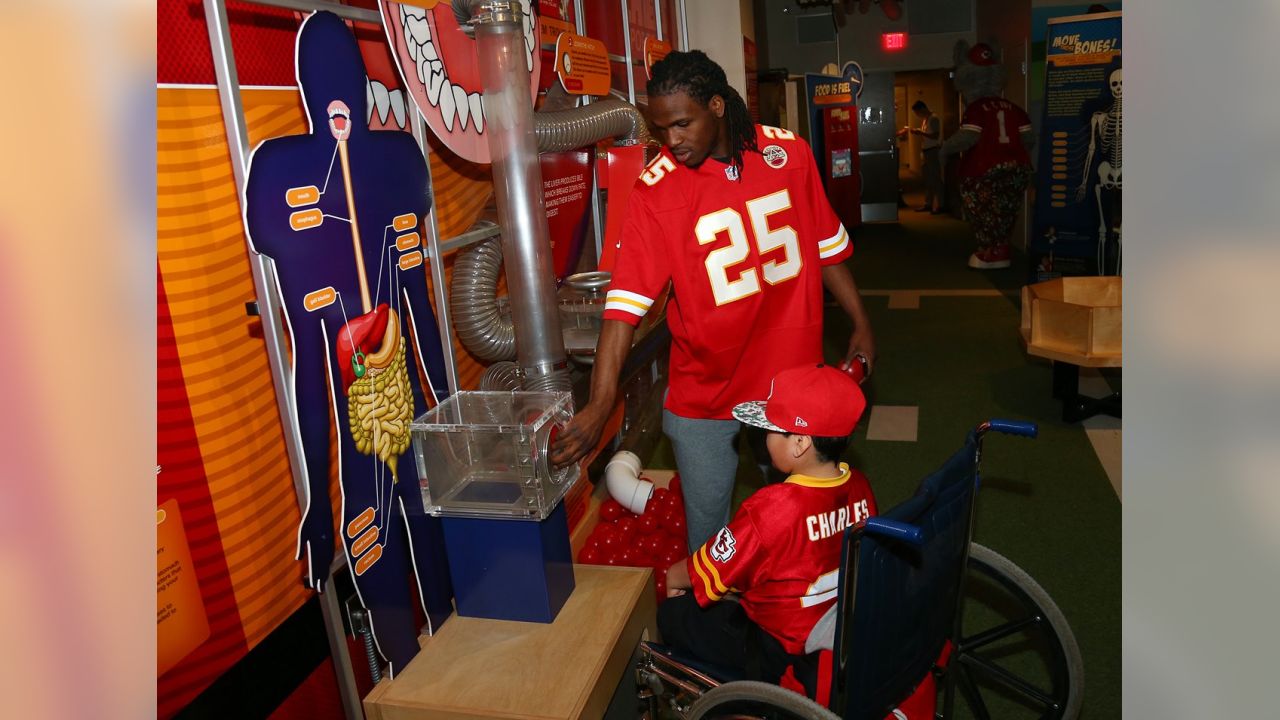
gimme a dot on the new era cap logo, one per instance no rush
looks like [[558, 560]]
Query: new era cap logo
[[800, 422]]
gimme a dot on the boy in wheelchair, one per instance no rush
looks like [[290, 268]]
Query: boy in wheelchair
[[750, 598]]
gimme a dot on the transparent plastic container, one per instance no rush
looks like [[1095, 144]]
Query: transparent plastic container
[[485, 454], [581, 310]]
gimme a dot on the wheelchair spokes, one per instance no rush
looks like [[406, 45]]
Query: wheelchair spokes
[[1015, 656]]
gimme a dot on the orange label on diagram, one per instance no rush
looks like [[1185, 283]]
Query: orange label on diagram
[[408, 242], [317, 299], [404, 222], [367, 560], [302, 196], [582, 63], [359, 522], [410, 260], [364, 541], [306, 219]]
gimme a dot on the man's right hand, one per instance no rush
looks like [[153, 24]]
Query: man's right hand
[[581, 435]]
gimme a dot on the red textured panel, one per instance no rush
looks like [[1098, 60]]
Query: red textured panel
[[262, 38], [182, 477]]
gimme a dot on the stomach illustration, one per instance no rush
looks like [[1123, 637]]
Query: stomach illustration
[[371, 354]]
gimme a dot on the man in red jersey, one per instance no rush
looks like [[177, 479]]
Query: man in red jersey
[[734, 216]]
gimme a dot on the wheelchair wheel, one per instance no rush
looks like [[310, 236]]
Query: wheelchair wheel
[[750, 699], [1016, 655]]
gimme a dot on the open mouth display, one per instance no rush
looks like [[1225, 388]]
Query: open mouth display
[[339, 120], [440, 69]]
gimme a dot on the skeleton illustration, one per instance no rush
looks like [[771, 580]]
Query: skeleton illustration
[[1106, 128]]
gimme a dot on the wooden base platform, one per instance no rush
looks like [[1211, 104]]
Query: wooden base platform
[[474, 668]]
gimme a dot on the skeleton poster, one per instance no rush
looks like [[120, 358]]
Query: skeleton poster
[[1077, 229]]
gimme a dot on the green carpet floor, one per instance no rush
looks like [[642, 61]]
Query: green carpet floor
[[1046, 504]]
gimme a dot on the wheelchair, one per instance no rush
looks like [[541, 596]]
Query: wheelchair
[[921, 611]]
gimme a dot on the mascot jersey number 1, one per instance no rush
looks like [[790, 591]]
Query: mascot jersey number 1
[[995, 169], [339, 210]]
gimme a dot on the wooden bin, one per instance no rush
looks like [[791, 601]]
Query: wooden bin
[[1074, 319]]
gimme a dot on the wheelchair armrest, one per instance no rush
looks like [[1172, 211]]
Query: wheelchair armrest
[[894, 529]]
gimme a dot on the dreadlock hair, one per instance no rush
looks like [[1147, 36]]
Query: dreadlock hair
[[699, 77]]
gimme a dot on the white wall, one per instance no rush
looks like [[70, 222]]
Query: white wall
[[716, 28]]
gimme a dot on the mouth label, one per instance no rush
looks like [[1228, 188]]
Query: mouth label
[[582, 63], [306, 219], [296, 197], [408, 221]]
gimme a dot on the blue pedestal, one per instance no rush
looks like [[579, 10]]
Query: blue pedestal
[[510, 569]]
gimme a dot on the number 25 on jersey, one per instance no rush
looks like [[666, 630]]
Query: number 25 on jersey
[[729, 221]]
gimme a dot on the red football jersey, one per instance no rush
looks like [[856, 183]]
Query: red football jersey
[[781, 551], [999, 124], [744, 261]]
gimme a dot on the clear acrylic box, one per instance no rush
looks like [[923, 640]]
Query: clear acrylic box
[[485, 454]]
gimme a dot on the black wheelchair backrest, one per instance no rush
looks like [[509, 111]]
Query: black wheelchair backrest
[[897, 603]]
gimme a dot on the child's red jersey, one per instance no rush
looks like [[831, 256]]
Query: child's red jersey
[[781, 551]]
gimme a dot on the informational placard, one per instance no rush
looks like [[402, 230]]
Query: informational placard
[[1076, 230], [654, 50], [554, 20], [566, 188], [582, 64], [181, 622]]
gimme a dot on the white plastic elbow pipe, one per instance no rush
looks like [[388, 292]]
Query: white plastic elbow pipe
[[622, 478]]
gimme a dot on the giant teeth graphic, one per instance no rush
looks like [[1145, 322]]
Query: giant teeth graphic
[[438, 64], [384, 100]]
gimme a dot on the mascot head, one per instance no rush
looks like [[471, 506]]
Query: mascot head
[[978, 72]]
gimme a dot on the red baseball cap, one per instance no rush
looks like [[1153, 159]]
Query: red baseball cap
[[982, 54], [814, 400]]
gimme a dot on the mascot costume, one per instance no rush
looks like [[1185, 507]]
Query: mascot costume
[[995, 169]]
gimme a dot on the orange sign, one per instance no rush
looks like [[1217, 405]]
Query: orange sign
[[582, 64], [654, 50], [317, 299], [408, 242], [410, 260], [550, 28], [181, 622], [302, 196]]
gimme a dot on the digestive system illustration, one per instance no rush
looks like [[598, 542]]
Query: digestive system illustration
[[369, 349]]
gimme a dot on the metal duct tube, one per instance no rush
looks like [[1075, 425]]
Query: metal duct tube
[[482, 328], [501, 375], [571, 129], [518, 189]]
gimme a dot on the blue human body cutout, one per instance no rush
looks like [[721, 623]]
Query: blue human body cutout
[[339, 211]]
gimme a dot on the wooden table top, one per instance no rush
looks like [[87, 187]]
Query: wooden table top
[[480, 668]]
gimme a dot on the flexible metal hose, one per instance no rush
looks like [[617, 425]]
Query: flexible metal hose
[[502, 375], [578, 127], [473, 299]]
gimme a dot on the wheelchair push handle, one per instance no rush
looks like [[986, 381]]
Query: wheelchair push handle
[[1010, 427], [896, 530]]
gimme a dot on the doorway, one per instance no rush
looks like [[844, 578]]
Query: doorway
[[935, 89]]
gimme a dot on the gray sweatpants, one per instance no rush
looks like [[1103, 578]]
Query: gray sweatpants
[[707, 457]]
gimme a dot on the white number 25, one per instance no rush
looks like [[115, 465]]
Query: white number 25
[[718, 262]]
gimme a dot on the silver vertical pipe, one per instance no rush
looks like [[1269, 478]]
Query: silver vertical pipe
[[626, 47], [657, 16], [513, 147], [580, 22], [684, 25], [224, 65], [432, 229]]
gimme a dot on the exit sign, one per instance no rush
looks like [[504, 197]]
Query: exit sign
[[893, 41]]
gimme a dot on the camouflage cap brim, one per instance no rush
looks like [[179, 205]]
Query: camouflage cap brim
[[752, 413]]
